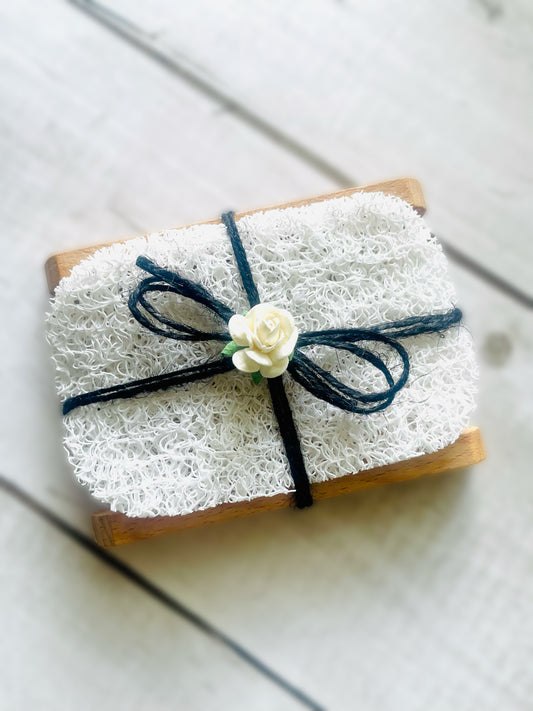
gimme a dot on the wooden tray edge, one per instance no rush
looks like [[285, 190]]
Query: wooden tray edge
[[409, 189], [112, 528]]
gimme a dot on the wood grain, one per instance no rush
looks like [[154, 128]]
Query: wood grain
[[85, 638], [113, 529], [409, 189]]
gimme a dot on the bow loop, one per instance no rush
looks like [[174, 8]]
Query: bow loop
[[324, 385], [165, 281]]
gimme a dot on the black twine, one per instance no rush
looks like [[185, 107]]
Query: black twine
[[280, 402], [304, 371]]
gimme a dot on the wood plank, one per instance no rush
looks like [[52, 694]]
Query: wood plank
[[427, 582], [373, 89], [408, 189], [113, 528], [77, 634]]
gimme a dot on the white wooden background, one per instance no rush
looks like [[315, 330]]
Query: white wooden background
[[122, 117]]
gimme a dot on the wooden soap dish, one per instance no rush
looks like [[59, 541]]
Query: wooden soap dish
[[112, 528]]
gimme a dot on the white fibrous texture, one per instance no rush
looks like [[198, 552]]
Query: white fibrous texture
[[348, 262]]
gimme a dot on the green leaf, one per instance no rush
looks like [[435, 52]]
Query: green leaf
[[256, 377], [231, 348]]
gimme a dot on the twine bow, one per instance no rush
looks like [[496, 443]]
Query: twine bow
[[321, 383]]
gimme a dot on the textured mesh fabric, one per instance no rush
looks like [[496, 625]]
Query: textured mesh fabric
[[348, 262]]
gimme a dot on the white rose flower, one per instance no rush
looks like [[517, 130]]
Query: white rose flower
[[269, 337]]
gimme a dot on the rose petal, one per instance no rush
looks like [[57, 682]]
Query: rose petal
[[270, 334], [268, 331], [258, 357], [256, 343], [259, 310], [240, 330], [286, 321], [263, 311], [272, 371], [242, 361], [286, 348]]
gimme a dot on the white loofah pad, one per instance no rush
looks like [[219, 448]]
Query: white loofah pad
[[347, 262]]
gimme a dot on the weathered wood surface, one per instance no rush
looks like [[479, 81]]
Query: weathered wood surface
[[80, 635], [373, 89], [397, 598]]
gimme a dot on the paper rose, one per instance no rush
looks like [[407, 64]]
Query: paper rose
[[266, 336]]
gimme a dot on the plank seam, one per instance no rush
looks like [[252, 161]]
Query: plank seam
[[486, 275], [134, 35], [156, 592]]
